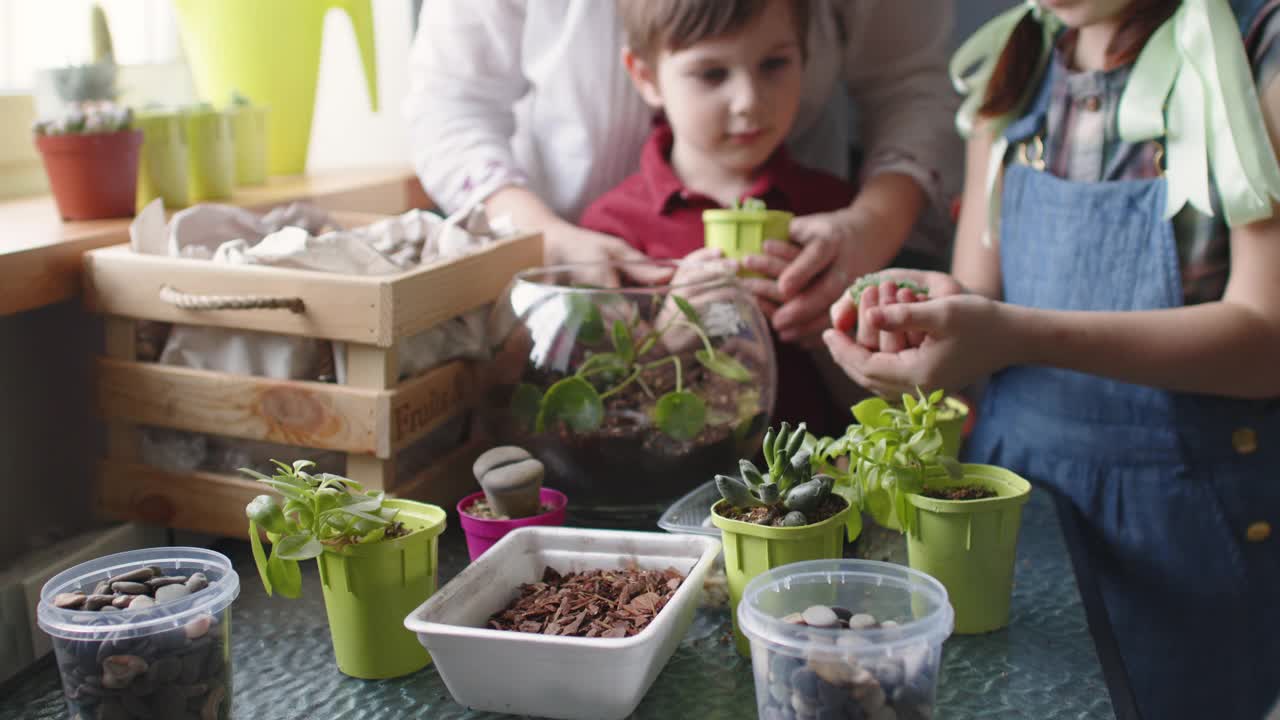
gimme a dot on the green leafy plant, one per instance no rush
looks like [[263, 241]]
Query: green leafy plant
[[748, 203], [789, 488], [866, 281], [889, 450], [321, 512], [578, 400]]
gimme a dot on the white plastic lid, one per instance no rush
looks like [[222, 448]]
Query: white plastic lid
[[914, 600], [224, 586]]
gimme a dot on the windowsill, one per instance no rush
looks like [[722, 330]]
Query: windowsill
[[40, 254]]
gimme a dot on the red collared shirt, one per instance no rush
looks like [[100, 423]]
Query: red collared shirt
[[654, 212]]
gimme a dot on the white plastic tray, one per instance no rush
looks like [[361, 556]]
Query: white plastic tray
[[558, 677]]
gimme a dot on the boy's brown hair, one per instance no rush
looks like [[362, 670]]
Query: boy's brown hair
[[655, 25]]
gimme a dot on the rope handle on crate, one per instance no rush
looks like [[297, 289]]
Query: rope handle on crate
[[186, 301]]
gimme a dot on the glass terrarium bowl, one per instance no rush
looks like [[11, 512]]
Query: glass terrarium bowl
[[632, 396]]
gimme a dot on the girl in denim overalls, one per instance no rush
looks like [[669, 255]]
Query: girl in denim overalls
[[1119, 201]]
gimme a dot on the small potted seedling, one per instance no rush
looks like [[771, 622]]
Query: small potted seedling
[[783, 515], [511, 496], [249, 132], [961, 520], [741, 229], [377, 560], [91, 157]]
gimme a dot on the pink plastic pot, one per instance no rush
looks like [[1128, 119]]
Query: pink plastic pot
[[482, 533]]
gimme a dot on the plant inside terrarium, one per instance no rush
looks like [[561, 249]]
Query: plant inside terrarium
[[620, 355], [320, 512], [789, 493], [890, 451]]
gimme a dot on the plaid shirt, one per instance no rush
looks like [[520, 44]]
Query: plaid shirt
[[1082, 143]]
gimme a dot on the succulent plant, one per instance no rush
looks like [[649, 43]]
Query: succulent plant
[[86, 118], [866, 281], [790, 487]]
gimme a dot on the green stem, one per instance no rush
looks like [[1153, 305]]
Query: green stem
[[645, 386], [635, 374], [706, 341]]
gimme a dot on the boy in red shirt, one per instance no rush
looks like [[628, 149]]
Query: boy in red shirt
[[725, 77]]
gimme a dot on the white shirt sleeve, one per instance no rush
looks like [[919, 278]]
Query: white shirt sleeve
[[465, 78], [896, 70]]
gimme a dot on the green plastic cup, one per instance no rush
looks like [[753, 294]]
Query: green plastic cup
[[751, 549], [249, 130], [211, 154], [969, 545], [369, 590], [739, 233], [162, 172]]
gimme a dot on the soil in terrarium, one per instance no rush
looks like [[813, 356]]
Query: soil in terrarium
[[628, 460], [772, 516], [959, 492]]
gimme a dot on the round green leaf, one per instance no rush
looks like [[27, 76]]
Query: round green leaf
[[584, 314], [296, 547], [723, 365], [681, 415], [574, 401], [868, 412]]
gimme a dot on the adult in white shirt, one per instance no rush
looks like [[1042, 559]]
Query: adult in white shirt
[[525, 105]]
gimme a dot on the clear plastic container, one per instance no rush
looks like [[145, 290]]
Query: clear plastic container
[[692, 513], [171, 660], [889, 671]]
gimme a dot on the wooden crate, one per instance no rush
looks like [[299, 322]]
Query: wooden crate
[[371, 418]]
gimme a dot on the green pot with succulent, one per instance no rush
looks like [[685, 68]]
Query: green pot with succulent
[[211, 153], [162, 172], [249, 131], [786, 514], [377, 560], [741, 229], [630, 397], [961, 520], [91, 157]]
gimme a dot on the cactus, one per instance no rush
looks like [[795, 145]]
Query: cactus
[[103, 53], [790, 490]]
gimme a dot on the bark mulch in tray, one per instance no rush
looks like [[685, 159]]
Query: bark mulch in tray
[[592, 603]]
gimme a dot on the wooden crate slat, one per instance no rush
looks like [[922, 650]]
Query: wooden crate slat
[[421, 404], [293, 412], [449, 479], [460, 284], [201, 502], [119, 281]]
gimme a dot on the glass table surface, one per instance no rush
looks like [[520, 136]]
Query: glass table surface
[[1044, 665]]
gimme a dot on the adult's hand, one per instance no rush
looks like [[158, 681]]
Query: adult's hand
[[965, 337], [606, 260]]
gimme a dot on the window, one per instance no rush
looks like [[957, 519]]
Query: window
[[53, 33]]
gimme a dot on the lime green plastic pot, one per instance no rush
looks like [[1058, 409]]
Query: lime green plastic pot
[[211, 154], [739, 233], [951, 420], [751, 549], [162, 173], [270, 52], [969, 545], [249, 131], [369, 590]]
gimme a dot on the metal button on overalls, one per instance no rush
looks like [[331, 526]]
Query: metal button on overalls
[[1244, 440], [1257, 532]]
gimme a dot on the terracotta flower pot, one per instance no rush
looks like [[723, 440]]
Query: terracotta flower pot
[[93, 175]]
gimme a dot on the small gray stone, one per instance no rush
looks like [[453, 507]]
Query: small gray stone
[[884, 712], [199, 627], [95, 602], [171, 592], [166, 670], [122, 601], [158, 582], [139, 575], [820, 616], [197, 582], [102, 588], [142, 602], [793, 618], [129, 587], [213, 703], [69, 601], [862, 621]]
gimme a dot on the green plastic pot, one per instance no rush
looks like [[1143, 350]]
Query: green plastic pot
[[751, 549], [739, 233], [162, 172], [969, 545], [249, 130], [211, 154], [369, 590], [951, 420]]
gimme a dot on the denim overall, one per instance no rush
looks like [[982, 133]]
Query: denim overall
[[1171, 486]]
